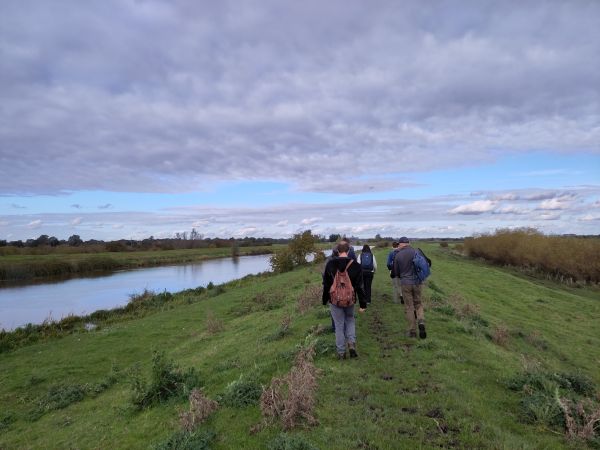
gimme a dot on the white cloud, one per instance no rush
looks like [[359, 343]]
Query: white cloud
[[76, 221], [34, 224], [590, 217], [475, 208], [554, 204], [310, 221], [282, 223]]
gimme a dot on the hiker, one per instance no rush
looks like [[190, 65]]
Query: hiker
[[342, 297], [368, 264], [396, 290], [411, 288], [334, 254], [351, 252]]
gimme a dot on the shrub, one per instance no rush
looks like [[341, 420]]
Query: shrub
[[242, 392], [282, 261], [213, 325], [309, 298], [500, 335], [567, 259], [166, 381]]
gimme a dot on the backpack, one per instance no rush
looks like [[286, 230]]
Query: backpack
[[422, 265], [341, 291], [366, 261]]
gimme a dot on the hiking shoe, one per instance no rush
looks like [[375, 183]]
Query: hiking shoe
[[401, 300], [342, 355], [353, 353], [422, 332]]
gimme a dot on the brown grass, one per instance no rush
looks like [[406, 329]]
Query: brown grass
[[200, 408], [309, 298], [582, 419], [213, 324], [567, 259], [291, 398], [500, 335]]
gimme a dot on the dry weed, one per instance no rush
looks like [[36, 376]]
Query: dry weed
[[582, 419], [213, 324], [500, 335], [291, 398], [310, 298], [200, 408]]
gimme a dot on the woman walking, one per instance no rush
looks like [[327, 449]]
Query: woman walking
[[368, 263]]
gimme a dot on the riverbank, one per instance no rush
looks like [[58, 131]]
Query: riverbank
[[29, 267], [487, 326]]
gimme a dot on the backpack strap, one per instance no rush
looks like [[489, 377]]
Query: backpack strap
[[349, 262]]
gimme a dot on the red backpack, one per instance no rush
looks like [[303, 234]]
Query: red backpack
[[341, 291]]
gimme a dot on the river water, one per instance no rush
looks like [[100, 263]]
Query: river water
[[33, 303]]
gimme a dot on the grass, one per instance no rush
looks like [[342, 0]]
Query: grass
[[450, 390], [25, 267]]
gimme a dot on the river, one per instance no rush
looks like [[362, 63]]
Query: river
[[33, 303]]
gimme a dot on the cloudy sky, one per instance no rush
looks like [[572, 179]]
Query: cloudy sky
[[125, 119]]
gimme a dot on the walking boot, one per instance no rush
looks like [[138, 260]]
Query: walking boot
[[422, 332], [352, 350]]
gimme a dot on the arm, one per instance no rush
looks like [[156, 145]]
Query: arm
[[374, 263], [327, 282], [356, 277]]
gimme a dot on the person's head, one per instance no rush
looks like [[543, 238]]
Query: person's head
[[343, 247], [345, 239], [335, 252], [403, 242], [395, 244], [366, 249]]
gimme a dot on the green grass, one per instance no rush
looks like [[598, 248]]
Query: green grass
[[23, 267], [448, 390]]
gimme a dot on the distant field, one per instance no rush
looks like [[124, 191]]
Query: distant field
[[20, 267], [487, 327]]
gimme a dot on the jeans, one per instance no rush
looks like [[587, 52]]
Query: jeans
[[345, 327]]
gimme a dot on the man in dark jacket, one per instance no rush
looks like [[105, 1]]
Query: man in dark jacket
[[345, 328], [411, 288]]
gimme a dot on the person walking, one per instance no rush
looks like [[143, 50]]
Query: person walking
[[396, 289], [411, 288], [334, 254], [368, 264], [342, 298]]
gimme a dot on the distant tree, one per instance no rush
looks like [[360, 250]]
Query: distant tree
[[74, 240], [42, 240], [3, 243], [334, 237], [18, 243], [378, 237], [53, 241]]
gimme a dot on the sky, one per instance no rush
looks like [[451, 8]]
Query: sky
[[129, 119]]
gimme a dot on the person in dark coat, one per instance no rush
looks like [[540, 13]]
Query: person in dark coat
[[345, 327]]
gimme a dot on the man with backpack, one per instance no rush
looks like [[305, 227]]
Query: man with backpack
[[409, 267], [397, 291], [342, 282]]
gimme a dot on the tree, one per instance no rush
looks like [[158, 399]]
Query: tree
[[301, 245], [334, 237], [53, 241], [74, 240]]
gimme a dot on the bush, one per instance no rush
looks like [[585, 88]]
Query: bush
[[568, 259], [166, 381], [282, 261], [200, 408], [244, 391]]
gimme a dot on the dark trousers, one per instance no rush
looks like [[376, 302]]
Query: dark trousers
[[367, 281]]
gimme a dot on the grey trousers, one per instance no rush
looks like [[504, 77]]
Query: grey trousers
[[397, 289], [345, 327]]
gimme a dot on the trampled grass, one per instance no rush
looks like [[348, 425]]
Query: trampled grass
[[450, 390]]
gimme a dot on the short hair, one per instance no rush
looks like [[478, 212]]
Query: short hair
[[395, 244], [335, 252], [343, 247]]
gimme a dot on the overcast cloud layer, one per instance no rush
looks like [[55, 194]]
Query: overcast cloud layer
[[171, 97], [165, 96]]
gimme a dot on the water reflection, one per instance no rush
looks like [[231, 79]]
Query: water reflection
[[34, 303]]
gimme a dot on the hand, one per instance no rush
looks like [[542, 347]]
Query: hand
[[362, 310]]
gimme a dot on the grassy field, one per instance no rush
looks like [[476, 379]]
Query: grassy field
[[22, 267], [486, 326]]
